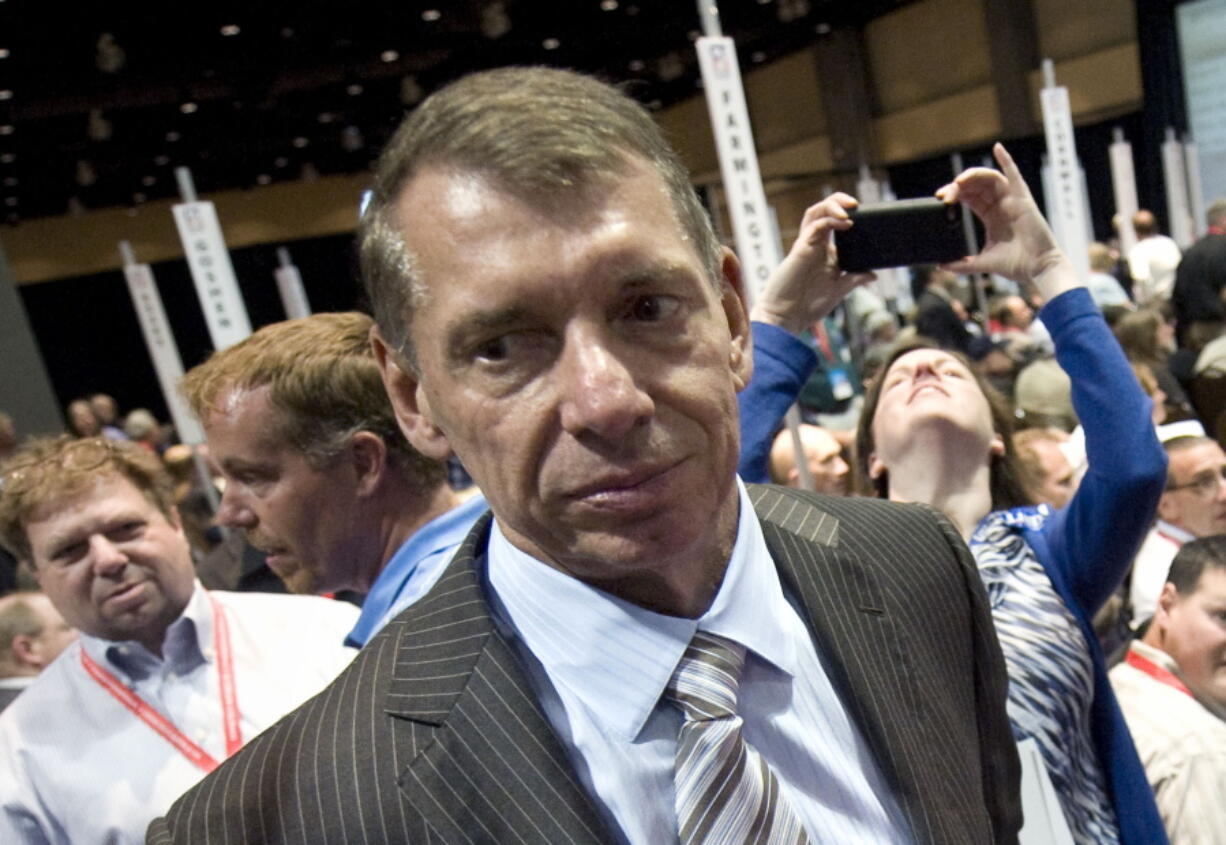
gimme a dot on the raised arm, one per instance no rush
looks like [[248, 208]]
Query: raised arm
[[805, 287]]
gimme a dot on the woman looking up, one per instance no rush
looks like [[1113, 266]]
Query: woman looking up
[[934, 432]]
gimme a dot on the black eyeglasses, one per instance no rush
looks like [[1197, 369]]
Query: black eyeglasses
[[1206, 485]]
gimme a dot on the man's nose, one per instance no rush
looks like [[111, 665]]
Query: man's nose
[[599, 391], [106, 556], [232, 512]]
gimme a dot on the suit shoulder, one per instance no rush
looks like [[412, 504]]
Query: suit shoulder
[[770, 500]]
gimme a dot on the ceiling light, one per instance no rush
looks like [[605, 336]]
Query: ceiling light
[[6, 94], [8, 158], [161, 161], [608, 5], [280, 161], [410, 91], [758, 57], [300, 142], [4, 52], [109, 57], [430, 15], [10, 201], [354, 90], [139, 197], [10, 182], [263, 179], [98, 128], [389, 55], [495, 22], [326, 117], [149, 181], [822, 29], [6, 129], [351, 139], [636, 65], [551, 43], [230, 29], [188, 108], [173, 136], [86, 175]]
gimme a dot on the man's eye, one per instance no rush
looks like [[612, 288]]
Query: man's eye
[[127, 531], [652, 309], [495, 349]]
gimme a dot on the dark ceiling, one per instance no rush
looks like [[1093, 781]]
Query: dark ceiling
[[100, 101]]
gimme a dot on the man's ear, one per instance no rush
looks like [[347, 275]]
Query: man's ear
[[1168, 508], [736, 310], [369, 455], [996, 446], [409, 401], [25, 650]]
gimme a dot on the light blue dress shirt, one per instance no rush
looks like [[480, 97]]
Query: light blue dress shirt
[[599, 666], [414, 568], [77, 767]]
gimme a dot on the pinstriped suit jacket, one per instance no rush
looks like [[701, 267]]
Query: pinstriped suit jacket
[[433, 733]]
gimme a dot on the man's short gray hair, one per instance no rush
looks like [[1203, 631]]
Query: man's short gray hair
[[532, 132]]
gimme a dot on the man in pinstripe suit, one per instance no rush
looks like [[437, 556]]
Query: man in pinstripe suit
[[553, 307]]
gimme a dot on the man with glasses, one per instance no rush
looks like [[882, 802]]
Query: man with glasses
[[167, 679], [1193, 505]]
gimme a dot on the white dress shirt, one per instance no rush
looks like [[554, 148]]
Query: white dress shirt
[[1150, 568], [599, 665], [1182, 746], [77, 767]]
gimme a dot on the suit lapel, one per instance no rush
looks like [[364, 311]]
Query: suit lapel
[[856, 637], [478, 758]]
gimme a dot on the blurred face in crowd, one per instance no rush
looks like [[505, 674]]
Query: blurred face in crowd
[[1054, 482], [1195, 498], [584, 366], [830, 473], [307, 519], [81, 419], [113, 564], [1192, 629], [1020, 314]]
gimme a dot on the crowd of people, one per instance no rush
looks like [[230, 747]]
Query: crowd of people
[[991, 540]]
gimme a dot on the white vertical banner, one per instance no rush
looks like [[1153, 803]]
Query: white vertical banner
[[289, 285], [1124, 187], [1065, 188], [213, 274], [1175, 178], [162, 350], [1196, 190], [758, 248]]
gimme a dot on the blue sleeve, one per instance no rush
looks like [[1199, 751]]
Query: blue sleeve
[[782, 363], [1092, 541]]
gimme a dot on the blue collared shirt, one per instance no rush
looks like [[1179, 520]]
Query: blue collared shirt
[[600, 664], [414, 568]]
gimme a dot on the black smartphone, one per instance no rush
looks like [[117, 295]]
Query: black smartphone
[[902, 233]]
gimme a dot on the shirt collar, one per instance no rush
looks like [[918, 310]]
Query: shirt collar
[[445, 530], [1155, 655], [1174, 532], [615, 657], [187, 644]]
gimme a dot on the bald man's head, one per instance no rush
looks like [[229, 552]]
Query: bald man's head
[[827, 467]]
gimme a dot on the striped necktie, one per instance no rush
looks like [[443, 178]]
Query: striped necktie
[[725, 792]]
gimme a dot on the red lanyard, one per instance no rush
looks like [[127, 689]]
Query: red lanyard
[[163, 726], [1155, 671]]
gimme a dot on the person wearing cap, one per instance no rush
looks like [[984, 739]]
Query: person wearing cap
[[1192, 505], [167, 679]]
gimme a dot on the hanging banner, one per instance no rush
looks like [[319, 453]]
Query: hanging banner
[[289, 285], [1124, 187], [756, 244], [1066, 199], [213, 274], [1196, 191], [1175, 178], [162, 349]]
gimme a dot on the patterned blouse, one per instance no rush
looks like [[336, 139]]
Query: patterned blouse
[[1051, 674]]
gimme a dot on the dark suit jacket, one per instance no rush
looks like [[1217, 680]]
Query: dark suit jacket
[[433, 733], [935, 318]]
